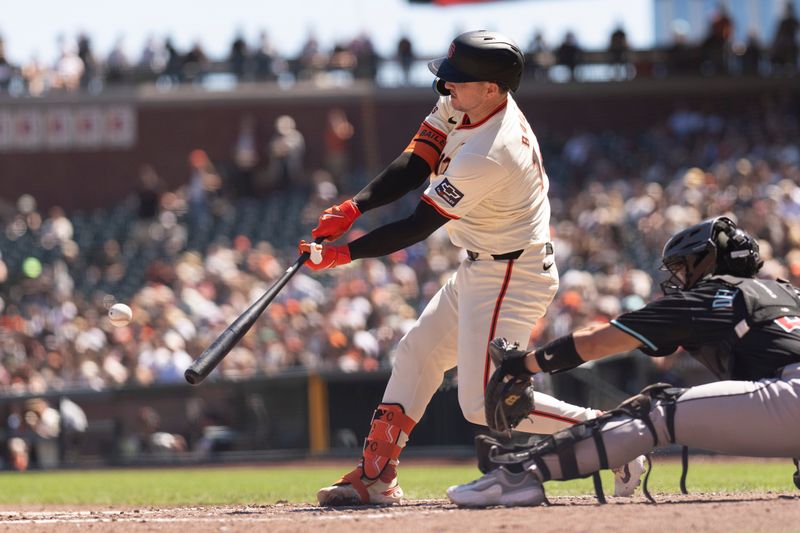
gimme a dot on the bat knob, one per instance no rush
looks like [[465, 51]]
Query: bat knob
[[192, 377]]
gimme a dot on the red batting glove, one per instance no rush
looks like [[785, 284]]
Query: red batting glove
[[324, 256], [336, 220]]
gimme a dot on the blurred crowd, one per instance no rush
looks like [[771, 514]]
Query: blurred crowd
[[202, 256], [80, 66]]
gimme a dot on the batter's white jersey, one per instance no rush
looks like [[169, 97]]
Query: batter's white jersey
[[489, 180]]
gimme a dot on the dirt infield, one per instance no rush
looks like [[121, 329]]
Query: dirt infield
[[744, 512]]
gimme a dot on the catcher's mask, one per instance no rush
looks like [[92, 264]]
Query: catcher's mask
[[714, 246], [479, 56]]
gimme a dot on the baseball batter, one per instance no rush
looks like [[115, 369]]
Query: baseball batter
[[744, 330], [489, 189]]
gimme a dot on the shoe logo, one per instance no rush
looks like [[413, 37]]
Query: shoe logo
[[548, 356], [451, 120], [626, 474]]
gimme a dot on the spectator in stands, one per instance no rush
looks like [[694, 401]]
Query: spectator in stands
[[539, 57], [6, 68], [117, 63], [717, 44], [681, 56], [569, 54], [784, 47], [148, 438], [342, 59], [751, 56], [264, 58], [69, 67], [405, 58], [312, 59], [287, 149], [245, 158], [238, 58], [195, 64], [45, 423], [153, 58], [618, 52], [204, 188], [338, 132], [173, 69], [89, 62], [148, 193], [367, 59]]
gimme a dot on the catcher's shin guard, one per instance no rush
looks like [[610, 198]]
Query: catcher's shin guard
[[375, 478], [631, 429]]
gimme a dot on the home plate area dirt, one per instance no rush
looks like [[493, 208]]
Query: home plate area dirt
[[710, 512]]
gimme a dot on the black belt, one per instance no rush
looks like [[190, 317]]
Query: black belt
[[473, 256]]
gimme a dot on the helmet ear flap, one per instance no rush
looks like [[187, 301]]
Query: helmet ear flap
[[739, 253], [438, 86]]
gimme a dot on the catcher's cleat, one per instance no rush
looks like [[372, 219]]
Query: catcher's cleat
[[354, 489], [499, 487], [627, 477]]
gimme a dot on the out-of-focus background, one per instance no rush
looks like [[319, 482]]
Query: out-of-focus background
[[170, 156]]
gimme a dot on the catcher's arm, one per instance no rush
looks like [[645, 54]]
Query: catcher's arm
[[595, 341]]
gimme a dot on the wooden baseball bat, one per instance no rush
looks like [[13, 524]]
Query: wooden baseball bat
[[224, 343]]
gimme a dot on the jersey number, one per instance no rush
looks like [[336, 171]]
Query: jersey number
[[788, 323]]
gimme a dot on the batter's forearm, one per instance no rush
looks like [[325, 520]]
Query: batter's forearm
[[403, 175], [398, 235], [384, 240]]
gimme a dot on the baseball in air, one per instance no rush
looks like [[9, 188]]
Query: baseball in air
[[120, 315]]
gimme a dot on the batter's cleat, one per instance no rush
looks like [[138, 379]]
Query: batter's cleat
[[354, 489], [499, 487], [628, 477]]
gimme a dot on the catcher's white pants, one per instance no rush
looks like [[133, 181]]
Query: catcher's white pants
[[482, 300]]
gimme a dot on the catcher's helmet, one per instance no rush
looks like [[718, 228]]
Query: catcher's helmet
[[480, 56], [714, 246]]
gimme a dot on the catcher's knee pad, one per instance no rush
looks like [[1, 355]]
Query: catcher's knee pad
[[382, 446], [641, 407]]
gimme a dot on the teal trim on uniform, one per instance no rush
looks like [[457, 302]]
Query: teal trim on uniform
[[639, 336]]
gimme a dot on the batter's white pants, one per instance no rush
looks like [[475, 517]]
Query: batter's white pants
[[482, 300]]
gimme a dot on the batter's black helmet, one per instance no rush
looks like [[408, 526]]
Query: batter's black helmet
[[714, 246], [481, 56]]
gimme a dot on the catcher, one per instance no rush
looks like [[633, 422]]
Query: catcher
[[744, 330]]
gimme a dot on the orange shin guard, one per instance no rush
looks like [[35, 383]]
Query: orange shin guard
[[381, 448]]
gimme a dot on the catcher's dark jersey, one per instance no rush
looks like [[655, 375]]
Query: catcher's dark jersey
[[739, 328]]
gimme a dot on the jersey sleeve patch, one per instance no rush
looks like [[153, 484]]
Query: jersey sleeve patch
[[428, 144], [448, 193]]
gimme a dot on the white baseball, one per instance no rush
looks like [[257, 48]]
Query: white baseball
[[120, 315]]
